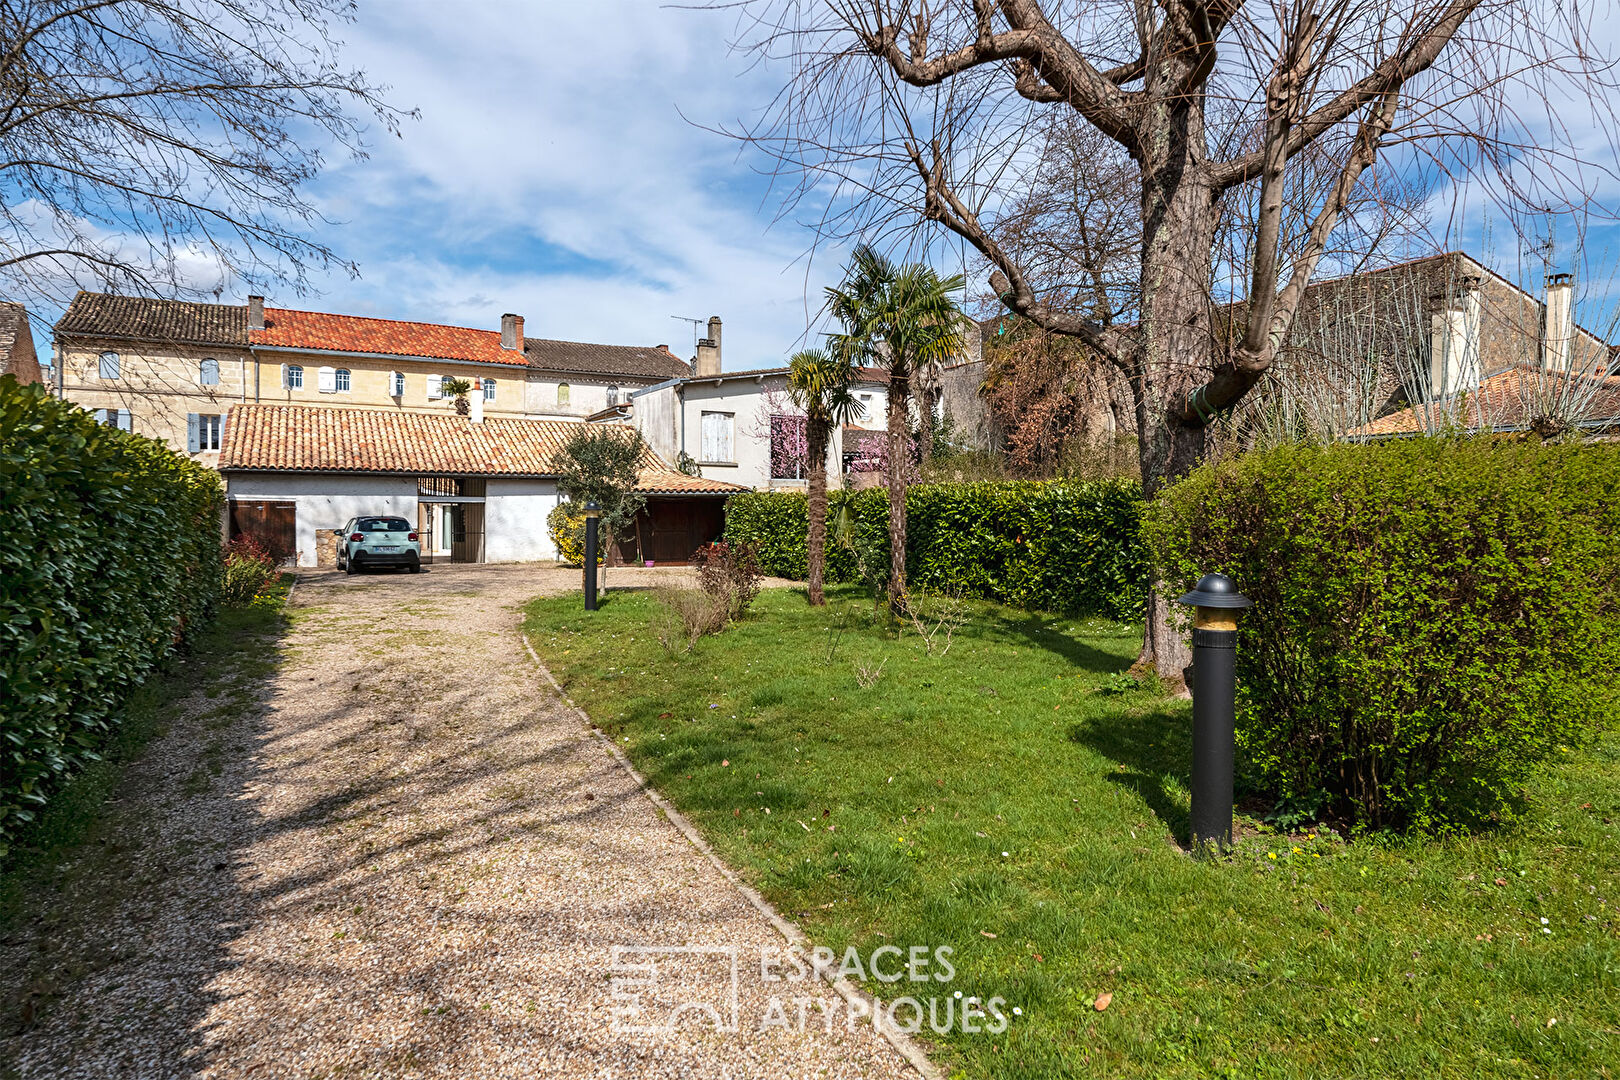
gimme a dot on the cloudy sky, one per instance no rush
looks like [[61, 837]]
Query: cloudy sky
[[552, 174]]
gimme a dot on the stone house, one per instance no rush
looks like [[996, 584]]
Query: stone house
[[172, 369]]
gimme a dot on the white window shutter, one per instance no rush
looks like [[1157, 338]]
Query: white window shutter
[[725, 438], [193, 433], [126, 421], [707, 449], [326, 380], [284, 376], [435, 387]]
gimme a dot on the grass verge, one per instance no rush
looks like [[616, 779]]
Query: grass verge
[[1015, 797]]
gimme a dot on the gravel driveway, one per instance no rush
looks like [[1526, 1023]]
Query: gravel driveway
[[412, 860]]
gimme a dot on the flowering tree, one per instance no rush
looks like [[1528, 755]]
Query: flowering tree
[[790, 446]]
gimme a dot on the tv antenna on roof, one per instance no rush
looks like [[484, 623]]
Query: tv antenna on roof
[[697, 329]]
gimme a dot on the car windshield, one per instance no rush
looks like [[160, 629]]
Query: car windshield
[[383, 525]]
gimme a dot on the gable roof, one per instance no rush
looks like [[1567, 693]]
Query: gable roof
[[308, 438], [587, 359], [103, 315], [1510, 400], [141, 318]]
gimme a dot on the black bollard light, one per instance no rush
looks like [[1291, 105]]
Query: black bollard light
[[1214, 692], [592, 512]]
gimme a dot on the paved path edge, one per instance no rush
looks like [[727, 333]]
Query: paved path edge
[[902, 1043]]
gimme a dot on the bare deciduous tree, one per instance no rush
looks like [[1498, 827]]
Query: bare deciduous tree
[[148, 144], [919, 111]]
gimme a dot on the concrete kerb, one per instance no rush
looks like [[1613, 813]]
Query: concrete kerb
[[903, 1044]]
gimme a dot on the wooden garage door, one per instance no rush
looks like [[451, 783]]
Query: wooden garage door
[[273, 524]]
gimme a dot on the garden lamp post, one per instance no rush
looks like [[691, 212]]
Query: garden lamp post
[[592, 513], [1216, 602]]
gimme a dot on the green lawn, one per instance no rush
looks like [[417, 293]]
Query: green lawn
[[1015, 799]]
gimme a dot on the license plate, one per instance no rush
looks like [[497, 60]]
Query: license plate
[[386, 549]]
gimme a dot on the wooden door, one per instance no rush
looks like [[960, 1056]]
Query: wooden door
[[273, 524]]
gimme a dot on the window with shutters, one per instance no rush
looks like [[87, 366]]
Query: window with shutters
[[717, 442], [396, 383], [435, 387], [342, 379], [108, 366], [613, 395], [326, 380], [489, 389], [209, 426], [208, 372], [295, 376], [562, 393], [117, 418]]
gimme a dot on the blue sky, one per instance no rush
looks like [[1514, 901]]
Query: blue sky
[[551, 179]]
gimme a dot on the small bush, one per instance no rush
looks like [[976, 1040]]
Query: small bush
[[685, 616], [249, 571], [1432, 618], [1069, 546], [566, 524], [729, 573]]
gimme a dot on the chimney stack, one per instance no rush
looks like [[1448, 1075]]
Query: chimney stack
[[512, 332], [1454, 340], [708, 350], [255, 313], [476, 402], [1558, 329]]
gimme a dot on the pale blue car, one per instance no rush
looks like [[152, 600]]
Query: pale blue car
[[379, 541]]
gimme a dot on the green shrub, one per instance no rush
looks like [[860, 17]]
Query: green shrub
[[1432, 617], [248, 571], [109, 557], [1060, 546]]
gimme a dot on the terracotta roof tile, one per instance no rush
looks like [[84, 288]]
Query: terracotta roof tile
[[286, 328], [1508, 400], [180, 322], [304, 438]]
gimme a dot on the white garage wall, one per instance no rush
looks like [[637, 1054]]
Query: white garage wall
[[326, 501], [515, 520]]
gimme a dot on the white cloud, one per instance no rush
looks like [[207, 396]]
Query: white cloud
[[552, 174]]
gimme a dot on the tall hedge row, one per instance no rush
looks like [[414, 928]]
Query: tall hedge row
[[1061, 546], [109, 556], [1432, 617]]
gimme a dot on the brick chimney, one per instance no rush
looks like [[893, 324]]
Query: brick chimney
[[1558, 324], [255, 313], [708, 350], [512, 332]]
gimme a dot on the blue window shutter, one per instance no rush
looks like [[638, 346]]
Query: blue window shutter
[[193, 436], [126, 421]]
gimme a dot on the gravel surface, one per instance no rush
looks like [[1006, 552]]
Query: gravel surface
[[410, 858]]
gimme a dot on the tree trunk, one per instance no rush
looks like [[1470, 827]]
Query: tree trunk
[[899, 458], [1174, 351], [816, 505]]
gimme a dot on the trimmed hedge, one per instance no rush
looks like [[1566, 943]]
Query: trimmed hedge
[[1059, 546], [1432, 619], [109, 557]]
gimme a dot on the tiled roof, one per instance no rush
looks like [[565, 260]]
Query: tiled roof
[[584, 358], [1511, 400], [303, 438], [392, 337], [180, 322], [105, 315]]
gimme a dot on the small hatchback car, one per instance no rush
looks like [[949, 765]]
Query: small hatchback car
[[379, 541]]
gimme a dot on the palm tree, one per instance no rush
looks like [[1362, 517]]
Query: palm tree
[[900, 318], [822, 384]]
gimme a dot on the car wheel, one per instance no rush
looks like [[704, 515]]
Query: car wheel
[[416, 568], [349, 566]]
